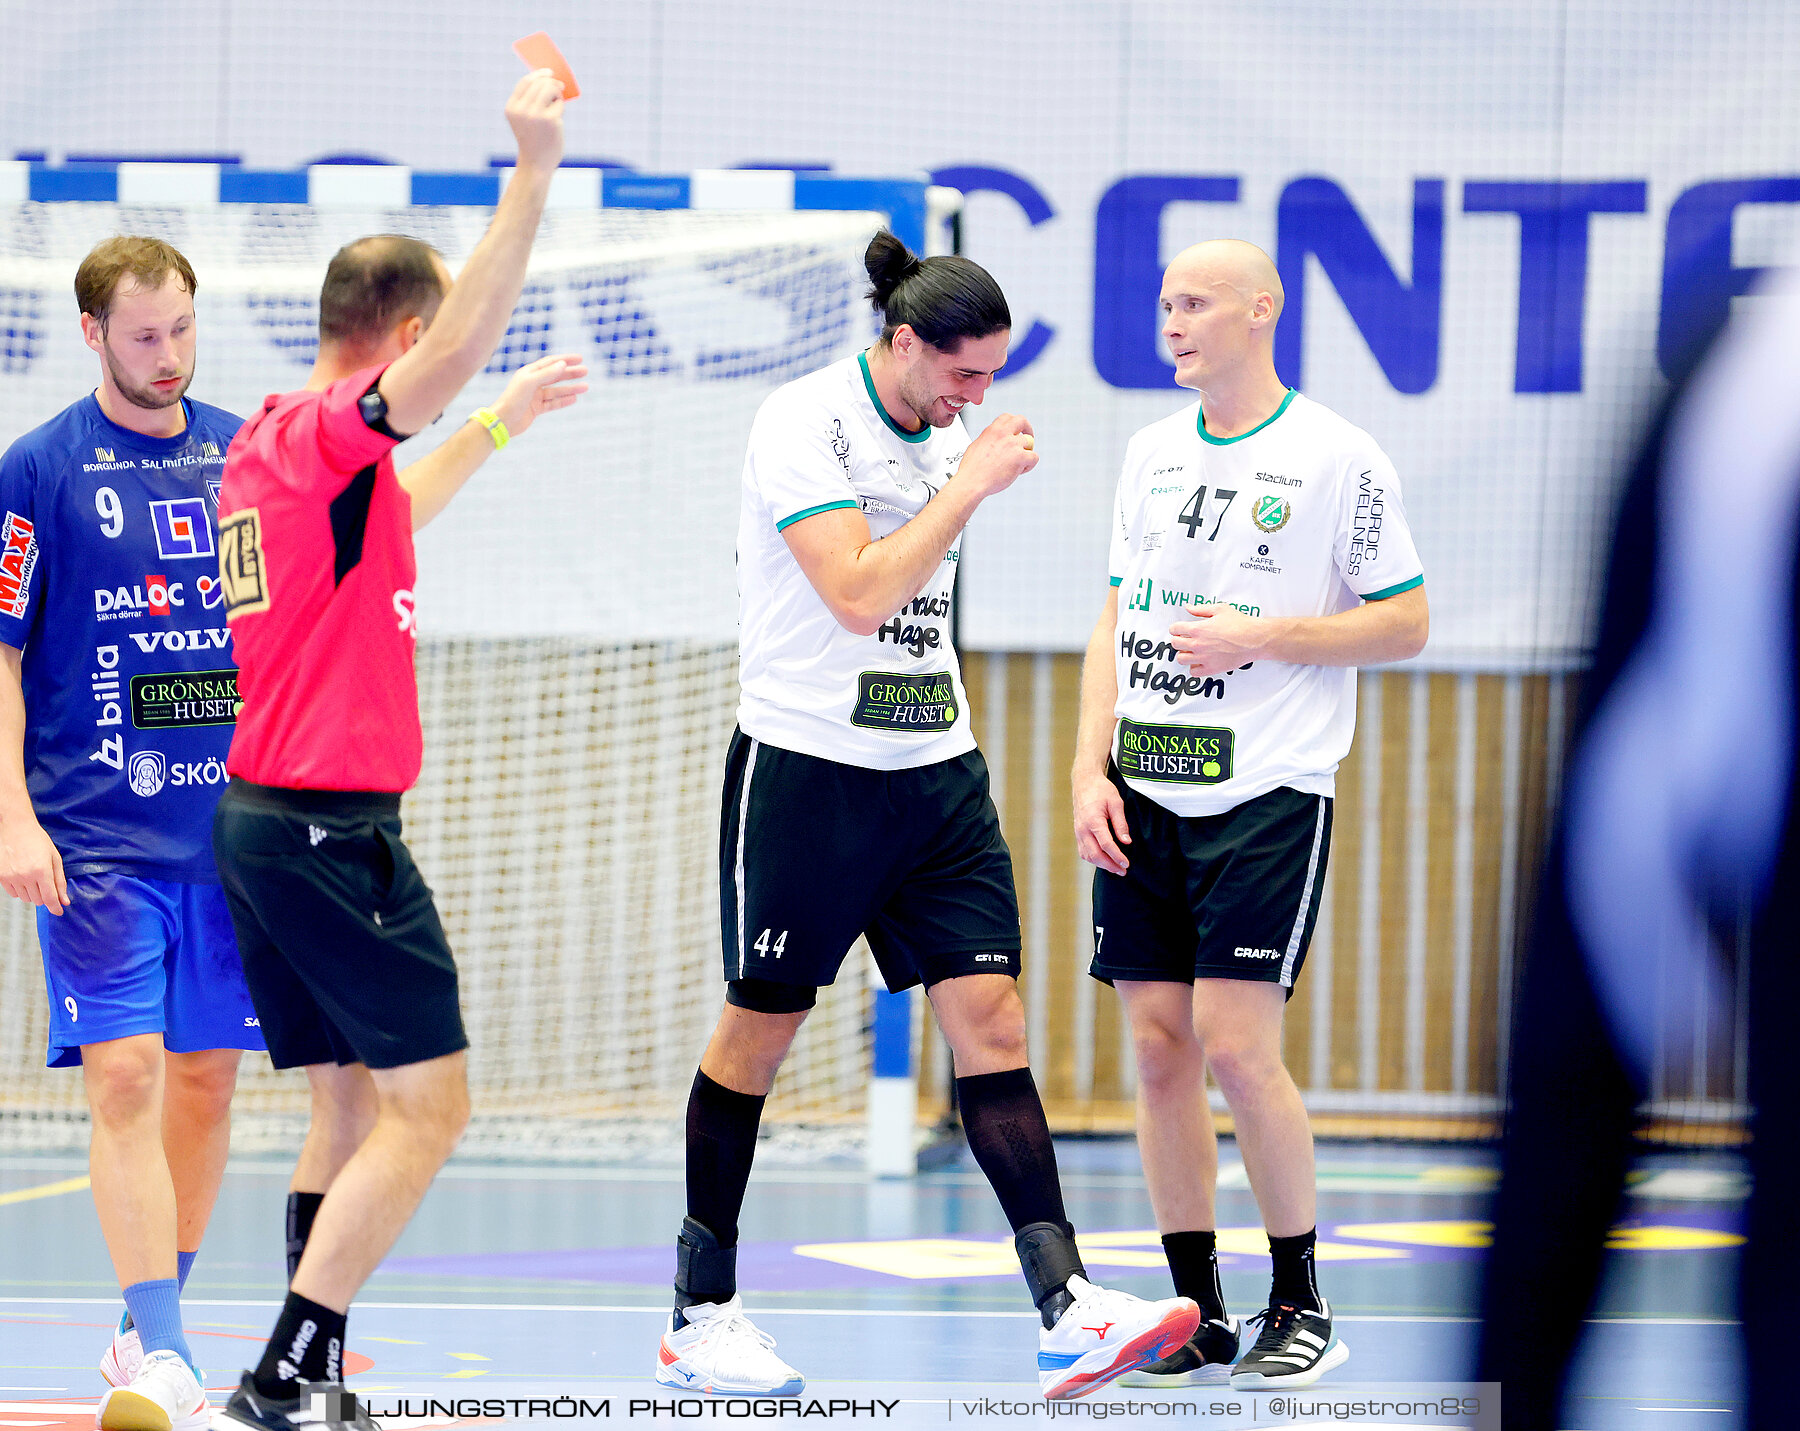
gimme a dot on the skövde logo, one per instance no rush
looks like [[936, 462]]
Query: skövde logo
[[145, 772]]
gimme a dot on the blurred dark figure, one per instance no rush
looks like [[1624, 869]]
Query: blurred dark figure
[[1680, 804]]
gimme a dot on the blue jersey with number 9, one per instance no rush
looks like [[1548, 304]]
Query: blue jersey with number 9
[[109, 584]]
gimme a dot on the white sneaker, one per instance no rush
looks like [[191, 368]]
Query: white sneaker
[[719, 1350], [1104, 1334], [120, 1361], [163, 1396]]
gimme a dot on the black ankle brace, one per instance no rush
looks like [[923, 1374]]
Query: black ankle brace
[[1047, 1253], [704, 1271]]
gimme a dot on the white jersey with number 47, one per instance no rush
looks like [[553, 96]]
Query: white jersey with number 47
[[890, 701], [1301, 516]]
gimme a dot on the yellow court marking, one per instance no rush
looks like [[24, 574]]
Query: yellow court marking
[[1423, 1234], [393, 1341], [465, 1356], [1654, 1238], [67, 1185], [1671, 1239], [461, 1375]]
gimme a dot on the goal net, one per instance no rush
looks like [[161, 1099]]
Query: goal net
[[577, 659]]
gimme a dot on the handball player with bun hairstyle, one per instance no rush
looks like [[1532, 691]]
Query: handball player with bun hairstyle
[[855, 802]]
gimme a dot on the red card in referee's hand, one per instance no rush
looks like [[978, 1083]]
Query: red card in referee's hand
[[540, 53]]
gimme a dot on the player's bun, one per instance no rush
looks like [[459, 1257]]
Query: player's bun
[[890, 263]]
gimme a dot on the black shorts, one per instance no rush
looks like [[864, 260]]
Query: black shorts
[[1231, 896], [813, 853], [342, 948]]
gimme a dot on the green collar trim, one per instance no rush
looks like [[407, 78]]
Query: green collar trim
[[1200, 422], [862, 361]]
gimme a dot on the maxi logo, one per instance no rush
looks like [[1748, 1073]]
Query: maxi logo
[[18, 559], [173, 699], [1175, 754], [184, 529], [904, 704]]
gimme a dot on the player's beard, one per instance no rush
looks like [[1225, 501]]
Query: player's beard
[[918, 397], [145, 396]]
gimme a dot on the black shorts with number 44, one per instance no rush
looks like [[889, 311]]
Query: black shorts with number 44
[[813, 853], [1229, 896]]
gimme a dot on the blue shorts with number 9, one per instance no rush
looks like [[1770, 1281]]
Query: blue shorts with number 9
[[136, 956]]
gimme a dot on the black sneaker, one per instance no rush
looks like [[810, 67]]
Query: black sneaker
[[323, 1405], [1294, 1348], [1203, 1360]]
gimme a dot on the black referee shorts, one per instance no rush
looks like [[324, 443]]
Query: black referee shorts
[[1229, 896], [342, 947], [814, 852]]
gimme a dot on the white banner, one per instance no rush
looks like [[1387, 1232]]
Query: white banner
[[1498, 224]]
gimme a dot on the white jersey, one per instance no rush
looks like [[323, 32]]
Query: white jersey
[[1300, 516], [889, 701]]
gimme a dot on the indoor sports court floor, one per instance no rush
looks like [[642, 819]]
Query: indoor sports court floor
[[518, 1281]]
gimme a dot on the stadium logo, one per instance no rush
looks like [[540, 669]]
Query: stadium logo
[[104, 454], [18, 558], [145, 772], [1271, 514], [184, 528]]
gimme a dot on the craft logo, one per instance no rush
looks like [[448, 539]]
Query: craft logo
[[145, 772], [184, 528], [18, 557], [1271, 513]]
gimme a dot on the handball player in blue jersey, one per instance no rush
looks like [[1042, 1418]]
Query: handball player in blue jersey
[[117, 702]]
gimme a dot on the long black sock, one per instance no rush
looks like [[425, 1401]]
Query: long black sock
[[721, 1143], [302, 1208], [306, 1345], [1194, 1264], [1010, 1138], [1294, 1281]]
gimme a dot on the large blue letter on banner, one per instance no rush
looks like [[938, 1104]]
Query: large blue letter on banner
[[1699, 280], [1399, 321], [1553, 267], [975, 179], [1128, 271]]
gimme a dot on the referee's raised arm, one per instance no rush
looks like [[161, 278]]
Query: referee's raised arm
[[418, 385]]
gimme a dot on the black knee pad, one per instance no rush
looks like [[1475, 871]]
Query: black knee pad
[[766, 996]]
